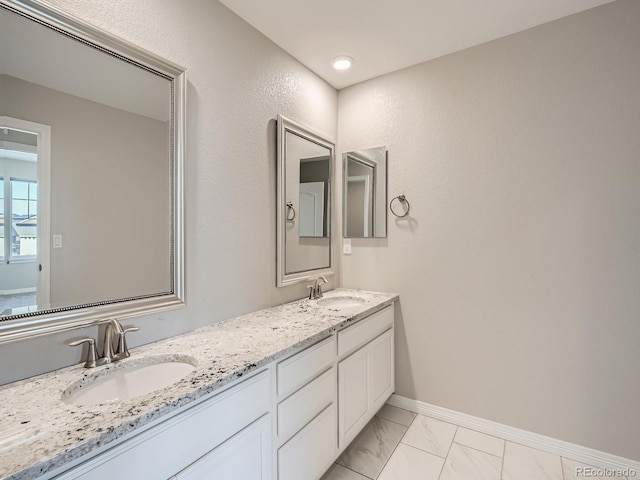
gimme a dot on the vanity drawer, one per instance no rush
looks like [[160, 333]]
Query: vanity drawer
[[297, 371], [352, 338], [306, 403], [312, 450]]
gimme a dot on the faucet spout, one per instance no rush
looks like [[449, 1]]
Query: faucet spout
[[316, 289]]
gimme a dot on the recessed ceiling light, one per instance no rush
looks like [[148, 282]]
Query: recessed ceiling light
[[342, 62]]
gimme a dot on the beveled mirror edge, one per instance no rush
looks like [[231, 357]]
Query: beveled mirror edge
[[284, 279], [68, 318], [345, 156]]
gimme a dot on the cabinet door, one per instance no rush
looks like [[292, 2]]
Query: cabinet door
[[381, 373], [244, 456], [353, 394]]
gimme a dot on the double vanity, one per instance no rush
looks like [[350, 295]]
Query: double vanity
[[275, 394], [278, 394]]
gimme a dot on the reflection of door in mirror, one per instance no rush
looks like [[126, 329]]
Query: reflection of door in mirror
[[314, 193], [24, 216], [359, 206], [311, 209]]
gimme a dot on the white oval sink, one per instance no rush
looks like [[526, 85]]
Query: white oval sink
[[339, 302], [129, 382]]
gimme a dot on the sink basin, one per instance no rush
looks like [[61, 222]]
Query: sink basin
[[340, 302], [131, 381]]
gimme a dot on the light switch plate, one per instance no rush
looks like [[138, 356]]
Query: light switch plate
[[346, 246], [57, 241]]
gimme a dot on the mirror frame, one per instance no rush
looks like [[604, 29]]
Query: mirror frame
[[33, 324], [283, 278]]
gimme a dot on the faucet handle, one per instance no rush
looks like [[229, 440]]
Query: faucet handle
[[312, 289], [121, 350], [92, 356]]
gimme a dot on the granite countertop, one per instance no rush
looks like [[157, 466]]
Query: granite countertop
[[39, 432]]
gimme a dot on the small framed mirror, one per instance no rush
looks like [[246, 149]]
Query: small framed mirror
[[365, 193], [305, 190]]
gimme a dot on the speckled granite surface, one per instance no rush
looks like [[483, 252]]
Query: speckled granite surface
[[40, 433]]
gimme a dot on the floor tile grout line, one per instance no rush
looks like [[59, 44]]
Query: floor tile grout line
[[448, 452], [478, 450], [387, 461], [475, 430], [396, 447], [397, 423], [354, 471]]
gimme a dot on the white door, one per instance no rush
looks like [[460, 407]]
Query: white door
[[311, 223]]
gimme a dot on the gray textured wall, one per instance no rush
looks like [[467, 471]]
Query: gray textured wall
[[519, 267]]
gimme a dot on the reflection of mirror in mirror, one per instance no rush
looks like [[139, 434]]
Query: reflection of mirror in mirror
[[305, 170], [92, 222], [365, 193]]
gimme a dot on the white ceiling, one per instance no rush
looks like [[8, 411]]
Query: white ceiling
[[386, 35]]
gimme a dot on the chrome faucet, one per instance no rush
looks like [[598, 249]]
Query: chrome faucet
[[112, 349], [315, 290]]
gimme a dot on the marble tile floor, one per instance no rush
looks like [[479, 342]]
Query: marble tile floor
[[400, 445]]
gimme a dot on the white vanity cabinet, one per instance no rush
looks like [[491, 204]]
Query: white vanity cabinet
[[365, 372], [211, 436], [288, 421], [306, 425]]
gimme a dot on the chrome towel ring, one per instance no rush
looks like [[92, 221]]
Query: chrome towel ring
[[403, 200]]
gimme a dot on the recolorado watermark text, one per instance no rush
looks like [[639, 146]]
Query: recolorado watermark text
[[593, 472]]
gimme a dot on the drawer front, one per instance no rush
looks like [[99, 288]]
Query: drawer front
[[352, 338], [312, 450], [297, 410], [244, 456], [170, 446], [297, 371]]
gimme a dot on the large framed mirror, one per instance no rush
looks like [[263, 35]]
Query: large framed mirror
[[305, 191], [91, 175], [365, 193]]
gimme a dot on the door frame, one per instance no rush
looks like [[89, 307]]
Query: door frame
[[43, 287]]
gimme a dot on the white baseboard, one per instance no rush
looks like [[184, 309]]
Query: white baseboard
[[568, 450]]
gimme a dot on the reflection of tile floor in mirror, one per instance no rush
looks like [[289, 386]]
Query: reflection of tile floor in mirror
[[400, 445], [17, 300]]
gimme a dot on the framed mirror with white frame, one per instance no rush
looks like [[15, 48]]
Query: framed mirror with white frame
[[365, 193], [91, 175], [305, 170]]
